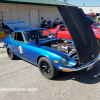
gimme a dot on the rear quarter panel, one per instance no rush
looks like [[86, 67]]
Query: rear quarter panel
[[6, 41]]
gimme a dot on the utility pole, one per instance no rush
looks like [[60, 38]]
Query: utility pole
[[66, 1]]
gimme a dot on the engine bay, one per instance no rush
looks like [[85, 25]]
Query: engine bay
[[65, 46]]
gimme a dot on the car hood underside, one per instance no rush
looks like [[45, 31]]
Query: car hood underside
[[81, 33]]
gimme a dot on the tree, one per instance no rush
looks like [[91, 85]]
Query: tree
[[92, 13]]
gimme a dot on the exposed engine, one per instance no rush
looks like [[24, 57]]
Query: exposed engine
[[64, 46]]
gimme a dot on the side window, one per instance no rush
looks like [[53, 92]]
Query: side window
[[30, 36], [96, 25], [12, 35], [18, 37], [63, 28], [6, 29]]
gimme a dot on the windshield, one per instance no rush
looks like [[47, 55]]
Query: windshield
[[96, 25], [41, 35], [91, 20], [18, 26]]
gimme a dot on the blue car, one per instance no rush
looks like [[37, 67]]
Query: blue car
[[52, 55]]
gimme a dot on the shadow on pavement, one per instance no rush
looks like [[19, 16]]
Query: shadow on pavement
[[88, 77]]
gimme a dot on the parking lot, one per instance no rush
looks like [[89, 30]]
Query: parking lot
[[81, 85]]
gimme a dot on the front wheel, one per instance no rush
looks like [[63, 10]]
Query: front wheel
[[46, 68]]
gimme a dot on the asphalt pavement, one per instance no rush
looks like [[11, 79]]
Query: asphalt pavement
[[18, 76]]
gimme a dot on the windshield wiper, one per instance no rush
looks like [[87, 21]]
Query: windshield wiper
[[53, 37]]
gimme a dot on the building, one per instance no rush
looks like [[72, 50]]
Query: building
[[32, 12], [91, 9]]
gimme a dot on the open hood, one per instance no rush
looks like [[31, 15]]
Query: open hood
[[81, 33]]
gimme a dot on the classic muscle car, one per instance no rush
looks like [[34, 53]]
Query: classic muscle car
[[53, 55]]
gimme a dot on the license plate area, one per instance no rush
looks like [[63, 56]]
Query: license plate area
[[90, 67]]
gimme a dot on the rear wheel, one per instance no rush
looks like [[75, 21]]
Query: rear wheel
[[46, 68], [10, 53]]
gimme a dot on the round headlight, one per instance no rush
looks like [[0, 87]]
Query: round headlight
[[67, 61], [64, 60]]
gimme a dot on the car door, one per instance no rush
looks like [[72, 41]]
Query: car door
[[19, 46], [32, 48], [63, 33], [13, 43]]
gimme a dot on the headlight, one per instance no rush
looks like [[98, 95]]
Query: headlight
[[64, 60], [67, 61]]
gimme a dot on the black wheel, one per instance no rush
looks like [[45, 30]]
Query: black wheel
[[10, 53], [46, 68]]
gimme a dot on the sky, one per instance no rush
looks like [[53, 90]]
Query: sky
[[87, 2]]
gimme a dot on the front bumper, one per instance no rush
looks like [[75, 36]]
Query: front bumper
[[80, 67]]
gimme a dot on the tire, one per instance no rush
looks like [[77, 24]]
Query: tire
[[10, 53], [46, 68]]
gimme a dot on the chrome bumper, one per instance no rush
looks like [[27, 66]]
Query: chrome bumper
[[80, 67]]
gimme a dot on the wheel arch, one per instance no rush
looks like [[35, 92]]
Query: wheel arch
[[9, 46], [47, 58], [41, 57]]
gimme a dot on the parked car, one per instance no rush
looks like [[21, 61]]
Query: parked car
[[48, 52], [53, 55], [92, 15], [95, 26], [61, 31]]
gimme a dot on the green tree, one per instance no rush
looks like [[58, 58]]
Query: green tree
[[92, 13]]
